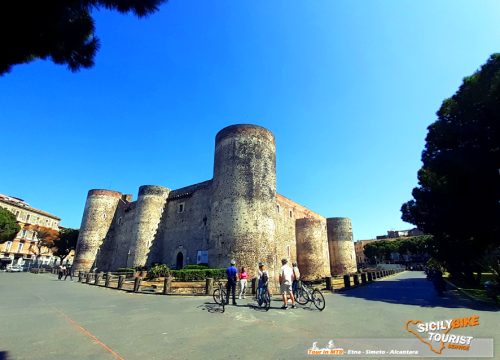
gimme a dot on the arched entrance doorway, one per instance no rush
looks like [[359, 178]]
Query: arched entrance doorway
[[179, 264]]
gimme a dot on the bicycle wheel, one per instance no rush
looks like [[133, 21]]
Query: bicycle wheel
[[301, 296], [222, 306], [219, 296], [216, 296], [318, 299]]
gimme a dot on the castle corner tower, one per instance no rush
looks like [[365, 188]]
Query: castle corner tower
[[244, 198], [100, 209], [341, 246]]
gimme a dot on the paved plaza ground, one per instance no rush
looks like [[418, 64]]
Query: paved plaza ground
[[44, 318]]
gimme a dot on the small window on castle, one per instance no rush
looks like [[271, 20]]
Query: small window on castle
[[119, 221], [288, 251], [278, 208], [291, 213], [181, 207], [104, 216]]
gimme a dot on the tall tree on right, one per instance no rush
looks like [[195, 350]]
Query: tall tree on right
[[458, 197]]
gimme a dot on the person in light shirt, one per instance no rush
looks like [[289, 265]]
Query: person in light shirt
[[286, 278]]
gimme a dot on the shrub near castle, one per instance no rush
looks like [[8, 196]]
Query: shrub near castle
[[189, 273]]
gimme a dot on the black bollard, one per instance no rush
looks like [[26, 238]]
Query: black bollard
[[329, 283], [347, 281], [355, 278], [121, 279], [137, 284]]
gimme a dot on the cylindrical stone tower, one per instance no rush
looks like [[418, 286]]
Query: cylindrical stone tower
[[341, 246], [149, 209], [99, 211], [244, 198], [312, 248]]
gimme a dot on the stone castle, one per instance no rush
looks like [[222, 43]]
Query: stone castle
[[236, 215]]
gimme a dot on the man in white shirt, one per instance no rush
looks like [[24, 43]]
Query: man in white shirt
[[286, 277]]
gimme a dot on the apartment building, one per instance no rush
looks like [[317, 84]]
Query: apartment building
[[22, 250]]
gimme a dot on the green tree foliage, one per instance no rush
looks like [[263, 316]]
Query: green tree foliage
[[158, 270], [9, 226], [381, 250], [458, 196], [46, 238], [65, 243], [62, 30]]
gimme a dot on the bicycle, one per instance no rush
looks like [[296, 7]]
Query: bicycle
[[263, 298], [220, 295], [305, 294]]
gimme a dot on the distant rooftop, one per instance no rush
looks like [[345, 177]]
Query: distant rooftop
[[22, 204]]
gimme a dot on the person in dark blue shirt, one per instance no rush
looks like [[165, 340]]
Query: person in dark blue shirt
[[231, 273]]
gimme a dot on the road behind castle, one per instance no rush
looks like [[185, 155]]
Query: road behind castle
[[43, 318]]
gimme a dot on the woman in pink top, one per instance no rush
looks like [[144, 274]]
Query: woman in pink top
[[243, 282]]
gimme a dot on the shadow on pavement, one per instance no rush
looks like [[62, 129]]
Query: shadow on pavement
[[211, 308], [4, 355], [414, 290]]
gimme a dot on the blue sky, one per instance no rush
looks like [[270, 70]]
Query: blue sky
[[347, 87]]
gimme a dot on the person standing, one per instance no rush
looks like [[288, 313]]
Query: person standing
[[69, 271], [60, 272], [263, 281], [286, 275], [232, 274], [243, 282]]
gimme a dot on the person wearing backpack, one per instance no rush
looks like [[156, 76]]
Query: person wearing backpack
[[263, 280]]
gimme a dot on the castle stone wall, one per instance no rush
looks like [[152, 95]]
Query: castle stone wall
[[312, 248], [115, 248], [185, 231], [341, 246], [150, 204], [286, 246]]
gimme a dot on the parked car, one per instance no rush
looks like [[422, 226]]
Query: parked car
[[14, 268]]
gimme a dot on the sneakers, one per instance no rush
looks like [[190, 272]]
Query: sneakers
[[284, 307], [294, 307]]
